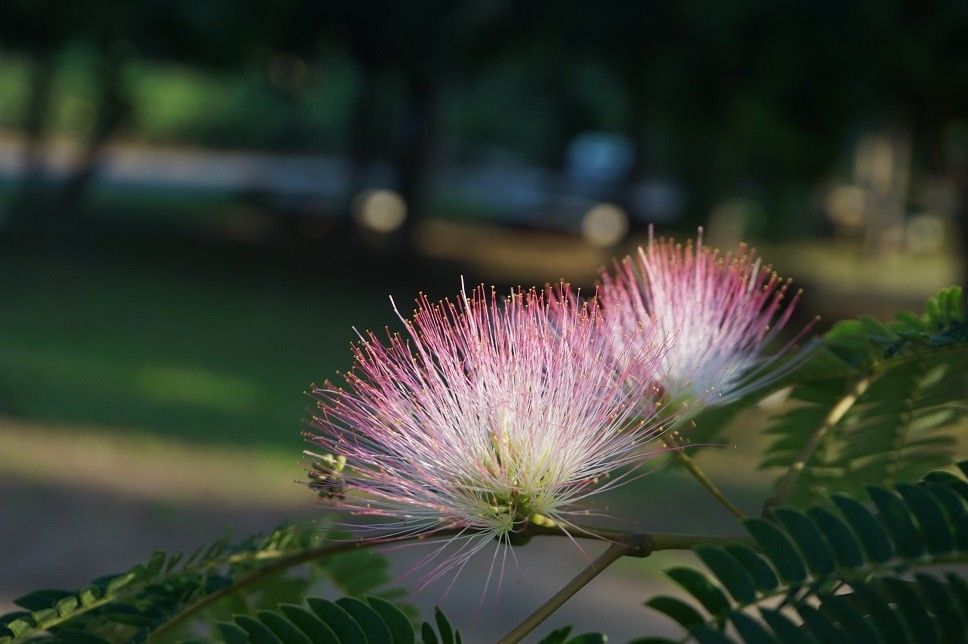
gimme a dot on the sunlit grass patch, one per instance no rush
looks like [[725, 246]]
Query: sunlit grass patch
[[182, 351]]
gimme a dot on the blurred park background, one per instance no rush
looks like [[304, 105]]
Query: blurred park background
[[200, 198]]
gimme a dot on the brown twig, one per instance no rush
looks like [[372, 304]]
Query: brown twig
[[628, 544]]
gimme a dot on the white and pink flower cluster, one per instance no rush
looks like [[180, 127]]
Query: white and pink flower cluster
[[491, 412], [484, 413], [716, 315]]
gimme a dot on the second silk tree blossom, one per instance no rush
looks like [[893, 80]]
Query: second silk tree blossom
[[483, 415], [715, 314]]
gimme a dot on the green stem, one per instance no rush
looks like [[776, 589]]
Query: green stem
[[614, 552], [631, 544], [697, 473], [789, 481]]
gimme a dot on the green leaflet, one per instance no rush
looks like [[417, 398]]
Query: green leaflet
[[348, 620], [133, 604], [902, 425], [846, 570]]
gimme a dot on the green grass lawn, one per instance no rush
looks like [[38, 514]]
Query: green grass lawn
[[141, 342]]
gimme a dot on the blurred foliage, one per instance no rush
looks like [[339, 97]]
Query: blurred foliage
[[743, 97]]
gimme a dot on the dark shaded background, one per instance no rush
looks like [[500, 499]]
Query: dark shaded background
[[199, 198]]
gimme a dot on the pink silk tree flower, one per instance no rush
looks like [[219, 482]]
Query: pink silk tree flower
[[482, 416], [715, 314]]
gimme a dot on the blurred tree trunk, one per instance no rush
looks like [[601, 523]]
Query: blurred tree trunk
[[41, 82], [946, 154], [416, 144], [961, 224], [955, 154], [636, 128], [111, 111], [361, 127], [28, 207]]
